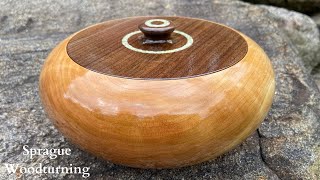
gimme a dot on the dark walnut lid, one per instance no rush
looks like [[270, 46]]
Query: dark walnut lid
[[157, 47]]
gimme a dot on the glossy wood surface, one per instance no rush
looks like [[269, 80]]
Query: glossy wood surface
[[157, 123], [215, 47]]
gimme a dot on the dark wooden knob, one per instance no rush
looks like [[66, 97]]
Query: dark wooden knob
[[157, 29]]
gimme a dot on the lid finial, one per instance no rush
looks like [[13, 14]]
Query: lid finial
[[157, 29]]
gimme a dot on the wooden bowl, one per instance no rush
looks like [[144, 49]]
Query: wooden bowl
[[182, 92]]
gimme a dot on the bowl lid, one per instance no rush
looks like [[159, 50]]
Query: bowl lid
[[157, 47]]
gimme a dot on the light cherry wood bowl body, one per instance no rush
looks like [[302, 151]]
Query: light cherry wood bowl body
[[157, 123]]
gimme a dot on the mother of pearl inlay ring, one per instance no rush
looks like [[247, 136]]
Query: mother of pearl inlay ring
[[150, 22]]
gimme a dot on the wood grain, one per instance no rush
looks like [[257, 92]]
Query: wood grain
[[215, 47], [157, 123]]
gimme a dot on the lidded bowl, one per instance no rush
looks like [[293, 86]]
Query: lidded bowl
[[157, 92]]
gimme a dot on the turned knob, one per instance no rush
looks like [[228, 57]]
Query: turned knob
[[157, 29]]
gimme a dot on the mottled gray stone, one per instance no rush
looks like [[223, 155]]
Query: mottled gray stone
[[302, 31], [305, 6], [316, 19], [316, 75], [286, 146], [316, 70]]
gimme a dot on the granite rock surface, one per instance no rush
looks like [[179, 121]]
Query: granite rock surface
[[305, 6], [302, 31], [286, 146], [316, 19]]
